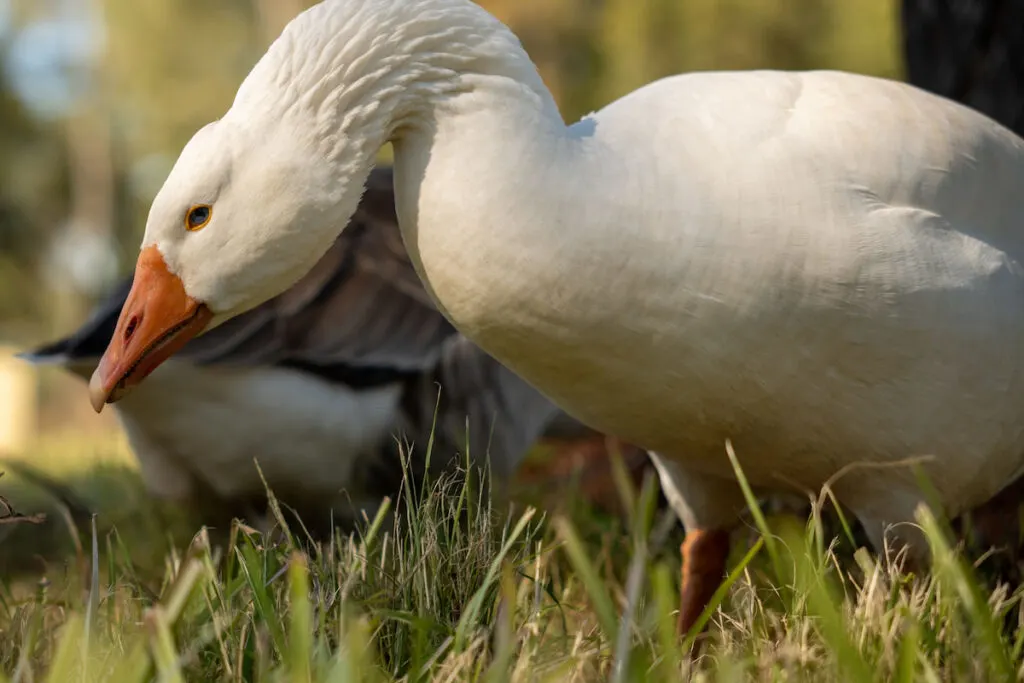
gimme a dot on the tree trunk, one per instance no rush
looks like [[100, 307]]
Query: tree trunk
[[971, 51]]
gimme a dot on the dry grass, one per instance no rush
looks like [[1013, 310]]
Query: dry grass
[[460, 590]]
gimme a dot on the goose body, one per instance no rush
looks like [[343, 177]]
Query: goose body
[[823, 267], [319, 385], [815, 305]]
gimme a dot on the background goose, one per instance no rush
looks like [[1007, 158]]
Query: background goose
[[823, 267], [318, 383]]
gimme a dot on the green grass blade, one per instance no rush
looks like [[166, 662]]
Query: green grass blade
[[93, 602], [928, 672], [623, 483], [275, 506], [666, 602], [470, 617], [300, 636], [429, 452], [162, 649], [32, 635], [827, 610], [135, 667], [910, 651], [719, 595], [755, 511], [182, 589], [500, 669], [1018, 645], [844, 523], [642, 519], [69, 650], [592, 583], [252, 569], [951, 570]]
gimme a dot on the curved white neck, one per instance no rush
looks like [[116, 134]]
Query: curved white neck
[[478, 138], [479, 143], [471, 190], [352, 75]]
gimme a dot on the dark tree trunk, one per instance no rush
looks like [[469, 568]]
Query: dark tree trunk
[[971, 51]]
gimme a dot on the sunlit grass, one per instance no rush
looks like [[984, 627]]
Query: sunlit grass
[[462, 589]]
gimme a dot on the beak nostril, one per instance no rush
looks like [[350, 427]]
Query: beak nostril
[[129, 329]]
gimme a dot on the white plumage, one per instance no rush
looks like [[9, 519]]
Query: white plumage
[[823, 267]]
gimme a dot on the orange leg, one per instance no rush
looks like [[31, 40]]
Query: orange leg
[[705, 552]]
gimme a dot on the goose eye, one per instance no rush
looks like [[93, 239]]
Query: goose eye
[[197, 218]]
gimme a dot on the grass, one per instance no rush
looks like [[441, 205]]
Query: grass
[[462, 589]]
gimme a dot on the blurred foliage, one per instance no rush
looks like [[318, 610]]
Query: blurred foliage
[[170, 66], [174, 65], [32, 192]]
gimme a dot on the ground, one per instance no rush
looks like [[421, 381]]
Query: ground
[[459, 590]]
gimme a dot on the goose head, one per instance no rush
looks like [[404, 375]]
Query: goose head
[[256, 198], [238, 220]]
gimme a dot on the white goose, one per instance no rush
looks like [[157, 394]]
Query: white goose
[[823, 267], [317, 384]]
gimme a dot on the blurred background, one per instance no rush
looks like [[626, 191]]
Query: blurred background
[[97, 97]]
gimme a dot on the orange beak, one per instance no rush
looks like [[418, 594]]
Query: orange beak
[[158, 319]]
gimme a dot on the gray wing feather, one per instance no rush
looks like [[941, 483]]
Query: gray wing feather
[[361, 307]]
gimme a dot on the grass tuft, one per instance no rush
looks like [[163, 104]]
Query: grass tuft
[[452, 587]]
